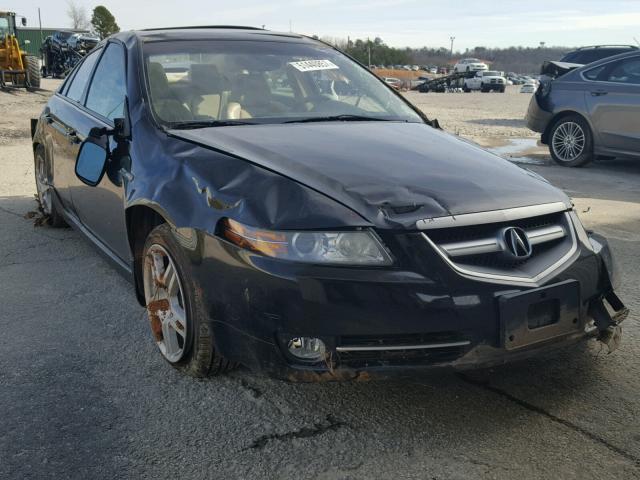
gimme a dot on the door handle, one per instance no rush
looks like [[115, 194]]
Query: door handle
[[598, 93], [73, 137]]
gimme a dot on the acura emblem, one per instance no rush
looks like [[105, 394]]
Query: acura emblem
[[516, 243]]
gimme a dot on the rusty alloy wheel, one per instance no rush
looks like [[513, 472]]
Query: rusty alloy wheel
[[165, 303], [43, 184]]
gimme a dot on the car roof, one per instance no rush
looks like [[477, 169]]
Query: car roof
[[595, 47], [211, 32]]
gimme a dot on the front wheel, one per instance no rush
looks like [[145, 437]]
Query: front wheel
[[178, 319], [571, 142]]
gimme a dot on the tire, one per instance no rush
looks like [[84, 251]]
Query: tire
[[571, 142], [466, 89], [175, 308], [44, 190], [33, 71], [503, 89]]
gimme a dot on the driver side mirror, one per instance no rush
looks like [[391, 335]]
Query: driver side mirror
[[24, 21], [91, 162]]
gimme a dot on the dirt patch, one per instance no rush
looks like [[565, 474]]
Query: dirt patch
[[18, 105]]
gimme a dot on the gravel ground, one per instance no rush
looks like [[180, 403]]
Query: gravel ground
[[84, 394], [478, 115]]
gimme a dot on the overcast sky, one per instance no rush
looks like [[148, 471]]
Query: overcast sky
[[398, 22]]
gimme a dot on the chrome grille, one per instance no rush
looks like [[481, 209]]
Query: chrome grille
[[481, 251]]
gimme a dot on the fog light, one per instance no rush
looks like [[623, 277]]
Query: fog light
[[307, 348]]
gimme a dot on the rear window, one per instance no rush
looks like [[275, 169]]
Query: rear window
[[584, 57]]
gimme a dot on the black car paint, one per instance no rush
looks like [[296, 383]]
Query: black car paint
[[386, 171], [253, 174]]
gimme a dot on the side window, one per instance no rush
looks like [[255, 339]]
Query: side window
[[625, 71], [108, 87], [81, 77], [594, 73]]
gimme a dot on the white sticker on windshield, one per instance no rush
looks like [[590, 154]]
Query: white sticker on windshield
[[312, 65]]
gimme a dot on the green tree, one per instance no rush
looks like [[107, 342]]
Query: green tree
[[104, 23]]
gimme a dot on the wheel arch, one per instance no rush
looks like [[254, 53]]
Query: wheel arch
[[141, 219], [559, 116]]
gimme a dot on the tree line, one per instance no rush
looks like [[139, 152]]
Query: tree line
[[512, 59]]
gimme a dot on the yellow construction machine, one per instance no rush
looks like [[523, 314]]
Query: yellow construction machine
[[17, 68]]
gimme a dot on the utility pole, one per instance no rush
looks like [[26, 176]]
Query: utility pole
[[451, 51], [40, 24], [290, 28], [369, 51]]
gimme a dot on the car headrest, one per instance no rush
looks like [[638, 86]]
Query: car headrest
[[158, 83], [254, 88], [206, 77]]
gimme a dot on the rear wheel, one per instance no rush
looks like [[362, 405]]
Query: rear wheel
[[179, 322], [571, 142], [33, 71], [45, 190]]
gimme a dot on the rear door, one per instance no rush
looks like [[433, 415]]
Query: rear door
[[101, 208], [64, 119], [613, 101]]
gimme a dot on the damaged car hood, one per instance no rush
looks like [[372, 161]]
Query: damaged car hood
[[391, 173]]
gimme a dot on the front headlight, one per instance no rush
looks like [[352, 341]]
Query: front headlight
[[361, 247]]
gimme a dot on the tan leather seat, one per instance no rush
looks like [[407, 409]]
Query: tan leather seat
[[253, 98], [165, 104], [209, 90]]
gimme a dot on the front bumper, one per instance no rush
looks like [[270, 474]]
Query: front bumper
[[257, 304]]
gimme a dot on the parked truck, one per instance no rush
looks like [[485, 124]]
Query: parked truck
[[485, 81]]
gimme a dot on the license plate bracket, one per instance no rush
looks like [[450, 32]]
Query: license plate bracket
[[539, 314]]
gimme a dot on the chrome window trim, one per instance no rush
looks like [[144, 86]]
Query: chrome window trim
[[511, 279], [605, 66], [491, 216]]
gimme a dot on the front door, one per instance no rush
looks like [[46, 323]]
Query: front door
[[613, 100], [101, 208]]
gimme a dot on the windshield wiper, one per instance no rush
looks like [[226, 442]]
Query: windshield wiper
[[339, 118], [207, 123]]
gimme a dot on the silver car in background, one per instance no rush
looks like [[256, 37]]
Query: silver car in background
[[590, 110]]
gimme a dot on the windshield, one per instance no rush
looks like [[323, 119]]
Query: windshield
[[263, 82], [4, 26]]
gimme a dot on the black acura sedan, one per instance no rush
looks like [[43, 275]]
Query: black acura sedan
[[276, 205]]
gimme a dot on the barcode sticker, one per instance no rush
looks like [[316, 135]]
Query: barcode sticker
[[312, 65]]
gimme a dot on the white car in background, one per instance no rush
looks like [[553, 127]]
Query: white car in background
[[394, 82], [528, 87], [470, 65]]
